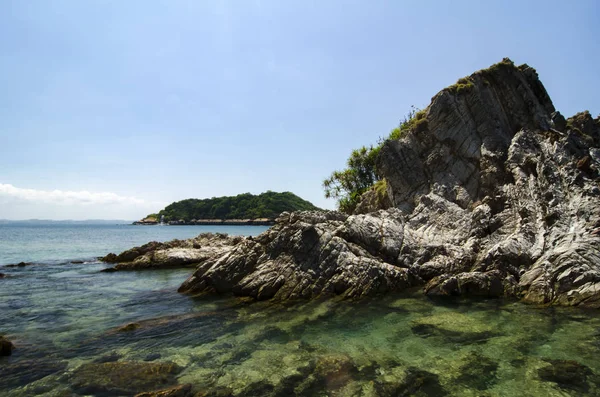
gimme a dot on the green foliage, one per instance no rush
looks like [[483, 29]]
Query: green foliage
[[380, 188], [242, 206], [347, 185], [463, 84]]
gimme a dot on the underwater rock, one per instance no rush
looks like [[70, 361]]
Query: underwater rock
[[118, 378], [177, 391], [108, 358], [219, 391], [477, 372], [453, 327], [128, 327], [26, 371], [6, 346], [334, 370], [416, 382], [567, 374], [152, 357]]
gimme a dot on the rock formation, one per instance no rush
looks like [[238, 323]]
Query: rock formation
[[493, 193], [175, 253]]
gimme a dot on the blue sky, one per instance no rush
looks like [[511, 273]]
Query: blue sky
[[113, 109]]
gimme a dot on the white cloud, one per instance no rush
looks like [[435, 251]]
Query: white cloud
[[67, 197]]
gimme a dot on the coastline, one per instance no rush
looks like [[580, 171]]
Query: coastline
[[210, 222]]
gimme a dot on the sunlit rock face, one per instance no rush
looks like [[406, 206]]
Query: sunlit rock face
[[494, 193]]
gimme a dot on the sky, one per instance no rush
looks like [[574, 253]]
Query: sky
[[114, 109]]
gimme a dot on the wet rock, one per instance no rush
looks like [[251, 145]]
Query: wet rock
[[108, 270], [77, 262], [152, 357], [2, 275], [6, 346], [177, 391], [20, 264], [128, 327], [567, 374], [26, 371], [416, 382], [108, 358], [122, 378]]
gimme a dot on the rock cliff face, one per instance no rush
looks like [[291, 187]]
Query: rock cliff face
[[493, 193]]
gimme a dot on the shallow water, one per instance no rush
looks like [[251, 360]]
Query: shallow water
[[64, 320]]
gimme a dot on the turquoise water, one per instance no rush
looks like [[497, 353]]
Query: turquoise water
[[81, 332]]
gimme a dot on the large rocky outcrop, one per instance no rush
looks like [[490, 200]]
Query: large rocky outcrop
[[493, 193]]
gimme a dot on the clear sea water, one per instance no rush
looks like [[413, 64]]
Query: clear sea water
[[66, 321], [30, 242]]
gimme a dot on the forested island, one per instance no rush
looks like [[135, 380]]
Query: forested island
[[244, 208]]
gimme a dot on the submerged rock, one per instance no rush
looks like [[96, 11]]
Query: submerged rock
[[20, 264], [477, 372], [122, 378], [6, 346], [567, 374], [177, 391], [26, 371], [453, 327], [416, 382]]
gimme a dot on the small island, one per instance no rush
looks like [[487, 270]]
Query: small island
[[240, 210]]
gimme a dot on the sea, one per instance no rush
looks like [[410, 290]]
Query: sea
[[78, 331]]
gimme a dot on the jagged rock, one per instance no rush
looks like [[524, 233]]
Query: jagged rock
[[493, 194], [306, 254], [175, 253]]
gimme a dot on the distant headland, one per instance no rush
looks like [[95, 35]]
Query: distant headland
[[243, 209]]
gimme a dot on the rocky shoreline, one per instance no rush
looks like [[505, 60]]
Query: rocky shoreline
[[494, 194], [210, 222]]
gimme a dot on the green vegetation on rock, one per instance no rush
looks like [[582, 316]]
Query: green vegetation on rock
[[361, 174], [243, 206]]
